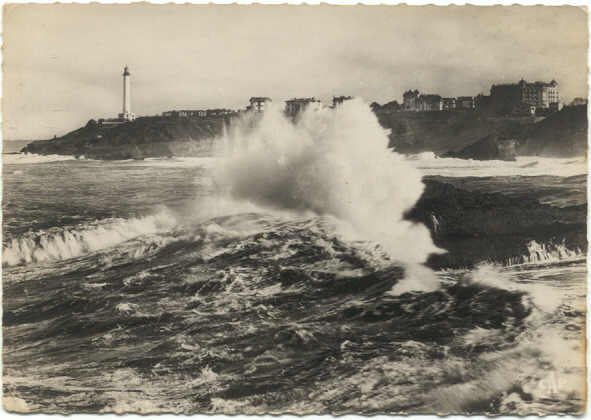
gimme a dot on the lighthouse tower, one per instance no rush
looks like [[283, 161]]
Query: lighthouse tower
[[127, 114]]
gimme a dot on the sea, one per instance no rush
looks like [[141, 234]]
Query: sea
[[277, 275]]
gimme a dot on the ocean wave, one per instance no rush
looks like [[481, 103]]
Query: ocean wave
[[73, 241], [291, 293], [28, 158]]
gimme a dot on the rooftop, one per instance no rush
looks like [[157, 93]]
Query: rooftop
[[259, 99], [312, 99]]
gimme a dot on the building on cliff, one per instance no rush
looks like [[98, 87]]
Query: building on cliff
[[338, 100], [430, 103], [413, 100], [517, 98], [410, 99], [522, 98], [482, 102], [220, 112], [449, 104], [578, 102], [465, 102], [198, 113], [258, 103], [295, 106], [185, 113]]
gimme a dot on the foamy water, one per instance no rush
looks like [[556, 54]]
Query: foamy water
[[28, 158], [207, 162], [429, 164], [221, 322]]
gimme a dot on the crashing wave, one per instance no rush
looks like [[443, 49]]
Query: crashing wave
[[331, 162], [70, 242], [543, 253]]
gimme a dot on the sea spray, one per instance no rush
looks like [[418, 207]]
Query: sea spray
[[550, 252], [331, 162]]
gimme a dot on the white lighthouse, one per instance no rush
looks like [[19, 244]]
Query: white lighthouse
[[127, 114]]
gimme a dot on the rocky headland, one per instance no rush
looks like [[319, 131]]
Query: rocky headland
[[464, 134], [142, 138]]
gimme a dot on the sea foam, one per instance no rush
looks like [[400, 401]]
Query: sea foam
[[430, 164], [70, 242], [28, 158]]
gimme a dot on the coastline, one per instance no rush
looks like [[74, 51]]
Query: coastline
[[464, 135]]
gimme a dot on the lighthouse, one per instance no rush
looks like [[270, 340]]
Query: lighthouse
[[127, 114]]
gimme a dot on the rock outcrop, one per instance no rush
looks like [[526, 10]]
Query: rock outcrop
[[142, 138], [476, 227], [489, 148]]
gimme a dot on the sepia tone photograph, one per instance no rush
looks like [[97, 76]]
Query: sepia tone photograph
[[258, 209]]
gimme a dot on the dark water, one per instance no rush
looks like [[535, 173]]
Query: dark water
[[121, 293], [40, 196]]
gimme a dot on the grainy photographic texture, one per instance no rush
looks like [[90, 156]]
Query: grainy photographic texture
[[294, 209]]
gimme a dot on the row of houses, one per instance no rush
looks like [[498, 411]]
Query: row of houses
[[187, 113], [413, 100], [504, 99], [258, 104]]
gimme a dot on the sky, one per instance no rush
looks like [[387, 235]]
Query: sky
[[62, 63]]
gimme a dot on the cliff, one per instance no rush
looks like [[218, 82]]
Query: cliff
[[142, 138], [442, 131], [562, 134], [470, 135]]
